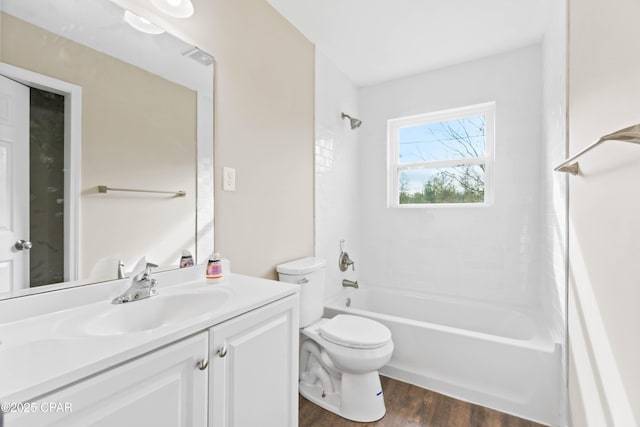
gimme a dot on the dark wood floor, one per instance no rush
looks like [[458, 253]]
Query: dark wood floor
[[412, 406]]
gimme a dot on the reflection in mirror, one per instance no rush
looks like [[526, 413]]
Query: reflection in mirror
[[87, 100]]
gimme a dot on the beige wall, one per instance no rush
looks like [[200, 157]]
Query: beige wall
[[131, 138], [604, 282], [264, 109], [264, 128]]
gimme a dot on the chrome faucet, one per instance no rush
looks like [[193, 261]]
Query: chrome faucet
[[142, 285], [121, 270], [350, 284]]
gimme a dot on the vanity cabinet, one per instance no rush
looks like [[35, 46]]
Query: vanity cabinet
[[241, 372], [165, 388], [253, 368]]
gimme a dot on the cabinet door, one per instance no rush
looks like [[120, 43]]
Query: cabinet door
[[253, 377], [161, 389]]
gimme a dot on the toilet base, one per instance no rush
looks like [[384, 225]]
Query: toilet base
[[359, 397]]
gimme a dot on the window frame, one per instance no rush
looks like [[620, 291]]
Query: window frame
[[393, 147]]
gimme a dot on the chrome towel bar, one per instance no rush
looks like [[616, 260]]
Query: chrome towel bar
[[630, 134], [104, 189]]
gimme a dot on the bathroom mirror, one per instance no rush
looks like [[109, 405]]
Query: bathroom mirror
[[106, 139]]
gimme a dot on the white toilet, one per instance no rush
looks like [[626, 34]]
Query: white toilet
[[339, 357]]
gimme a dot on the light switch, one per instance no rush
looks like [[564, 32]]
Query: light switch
[[229, 179]]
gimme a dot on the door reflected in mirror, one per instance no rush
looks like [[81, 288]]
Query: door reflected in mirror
[[88, 101], [46, 187]]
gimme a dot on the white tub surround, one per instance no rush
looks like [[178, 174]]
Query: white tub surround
[[59, 342], [337, 212], [491, 355], [488, 253]]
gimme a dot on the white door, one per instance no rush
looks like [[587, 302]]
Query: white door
[[14, 184]]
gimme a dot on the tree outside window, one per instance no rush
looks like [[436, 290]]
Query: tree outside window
[[442, 158]]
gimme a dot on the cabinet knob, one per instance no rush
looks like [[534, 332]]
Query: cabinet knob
[[222, 351], [202, 365]]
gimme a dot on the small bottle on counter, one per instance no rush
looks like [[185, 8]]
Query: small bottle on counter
[[186, 260], [214, 267]]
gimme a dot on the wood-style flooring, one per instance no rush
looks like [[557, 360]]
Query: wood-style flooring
[[412, 406]]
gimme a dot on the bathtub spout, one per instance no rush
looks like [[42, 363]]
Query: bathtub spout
[[349, 284]]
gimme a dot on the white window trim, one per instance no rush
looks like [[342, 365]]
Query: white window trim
[[394, 167]]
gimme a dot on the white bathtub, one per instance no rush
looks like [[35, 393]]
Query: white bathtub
[[494, 356]]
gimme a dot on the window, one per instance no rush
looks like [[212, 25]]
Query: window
[[443, 158]]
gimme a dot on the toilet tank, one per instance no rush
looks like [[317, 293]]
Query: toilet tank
[[308, 273]]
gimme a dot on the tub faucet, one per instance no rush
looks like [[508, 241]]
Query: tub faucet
[[142, 285], [350, 284]]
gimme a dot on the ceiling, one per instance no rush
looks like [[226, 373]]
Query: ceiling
[[373, 41]]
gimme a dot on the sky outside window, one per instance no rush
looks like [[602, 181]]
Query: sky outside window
[[446, 140]]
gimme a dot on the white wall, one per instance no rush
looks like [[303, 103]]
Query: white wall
[[604, 280], [336, 172], [487, 253]]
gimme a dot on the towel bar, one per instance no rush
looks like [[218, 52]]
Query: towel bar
[[630, 134]]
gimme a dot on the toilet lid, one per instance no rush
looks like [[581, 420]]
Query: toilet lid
[[355, 332]]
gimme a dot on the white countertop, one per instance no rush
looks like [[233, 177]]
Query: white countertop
[[47, 351]]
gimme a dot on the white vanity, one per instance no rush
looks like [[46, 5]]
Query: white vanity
[[198, 354]]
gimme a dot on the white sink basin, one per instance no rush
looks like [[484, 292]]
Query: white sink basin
[[154, 312]]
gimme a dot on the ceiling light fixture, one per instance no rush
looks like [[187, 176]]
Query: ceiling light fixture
[[175, 8], [141, 24]]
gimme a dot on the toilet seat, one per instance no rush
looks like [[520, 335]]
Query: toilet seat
[[355, 332]]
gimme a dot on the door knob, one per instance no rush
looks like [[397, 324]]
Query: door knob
[[23, 245]]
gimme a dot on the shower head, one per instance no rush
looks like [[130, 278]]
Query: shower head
[[355, 123]]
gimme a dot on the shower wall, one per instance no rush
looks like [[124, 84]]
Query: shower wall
[[336, 172], [487, 253], [511, 252]]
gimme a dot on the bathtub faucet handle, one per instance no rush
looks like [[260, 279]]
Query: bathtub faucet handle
[[344, 262]]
